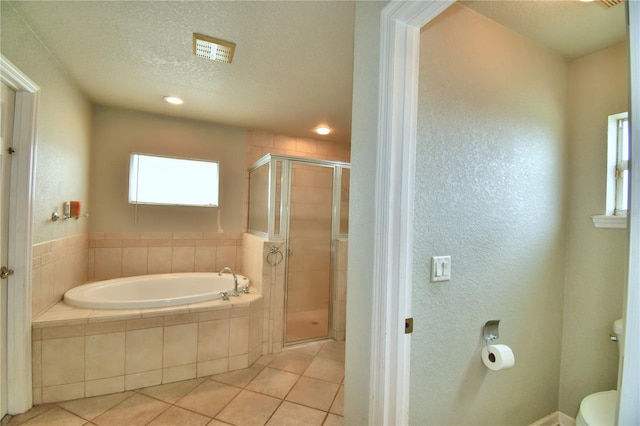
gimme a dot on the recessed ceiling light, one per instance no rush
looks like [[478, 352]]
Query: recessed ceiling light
[[323, 130], [173, 100]]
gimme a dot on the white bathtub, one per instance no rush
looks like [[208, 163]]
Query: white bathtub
[[149, 291]]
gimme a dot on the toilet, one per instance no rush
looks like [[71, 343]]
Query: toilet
[[599, 409]]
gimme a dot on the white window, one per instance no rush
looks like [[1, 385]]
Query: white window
[[617, 173], [622, 164], [172, 181]]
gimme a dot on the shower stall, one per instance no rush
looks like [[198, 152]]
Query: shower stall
[[301, 205]]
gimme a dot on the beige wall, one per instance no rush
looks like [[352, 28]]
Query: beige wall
[[63, 134], [595, 269], [489, 193], [62, 164], [118, 132]]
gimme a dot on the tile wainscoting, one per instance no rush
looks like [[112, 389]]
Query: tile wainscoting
[[57, 266], [83, 352], [123, 254]]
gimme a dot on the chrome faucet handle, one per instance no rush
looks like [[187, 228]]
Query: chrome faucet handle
[[245, 289], [224, 294]]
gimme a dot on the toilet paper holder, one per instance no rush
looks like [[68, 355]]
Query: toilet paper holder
[[491, 331]]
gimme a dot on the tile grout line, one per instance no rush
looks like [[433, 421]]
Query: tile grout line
[[211, 378]]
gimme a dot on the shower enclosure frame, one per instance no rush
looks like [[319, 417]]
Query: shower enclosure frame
[[279, 214]]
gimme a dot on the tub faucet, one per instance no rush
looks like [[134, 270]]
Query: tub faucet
[[235, 280]]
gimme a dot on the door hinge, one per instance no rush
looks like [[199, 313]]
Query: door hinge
[[5, 272], [10, 150], [408, 325]]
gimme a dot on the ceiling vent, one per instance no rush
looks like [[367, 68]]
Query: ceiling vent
[[213, 48], [610, 3]]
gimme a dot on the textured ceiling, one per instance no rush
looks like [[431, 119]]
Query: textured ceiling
[[293, 65], [570, 28], [292, 69]]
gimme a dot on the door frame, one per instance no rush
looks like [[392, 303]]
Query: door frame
[[400, 26], [19, 380], [629, 384]]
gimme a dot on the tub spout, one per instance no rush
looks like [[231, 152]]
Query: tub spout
[[235, 280]]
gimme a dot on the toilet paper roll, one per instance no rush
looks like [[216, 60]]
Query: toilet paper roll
[[498, 357]]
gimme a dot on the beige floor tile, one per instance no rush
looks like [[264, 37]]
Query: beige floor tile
[[176, 416], [261, 409], [273, 382], [294, 414], [313, 393], [309, 348], [55, 417], [338, 404], [90, 408], [265, 359], [293, 361], [24, 417], [238, 378], [171, 392], [208, 398], [215, 422], [137, 410], [333, 420], [332, 350], [325, 369]]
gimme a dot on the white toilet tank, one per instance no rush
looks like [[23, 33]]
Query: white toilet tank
[[599, 408]]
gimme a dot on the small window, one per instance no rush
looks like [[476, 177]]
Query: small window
[[618, 165], [617, 174], [622, 165], [172, 181]]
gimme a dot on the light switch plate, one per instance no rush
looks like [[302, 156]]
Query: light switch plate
[[440, 268]]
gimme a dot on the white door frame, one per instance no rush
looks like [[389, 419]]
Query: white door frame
[[19, 398], [397, 120], [400, 26], [629, 395]]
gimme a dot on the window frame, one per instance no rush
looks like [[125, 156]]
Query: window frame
[[133, 198], [615, 216]]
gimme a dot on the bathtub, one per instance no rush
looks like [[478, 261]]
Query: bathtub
[[150, 291]]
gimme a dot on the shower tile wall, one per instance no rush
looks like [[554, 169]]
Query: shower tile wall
[[122, 254], [58, 265], [261, 143], [269, 280]]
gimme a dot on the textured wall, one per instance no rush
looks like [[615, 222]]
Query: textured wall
[[490, 193], [118, 132], [596, 258], [64, 115], [361, 220]]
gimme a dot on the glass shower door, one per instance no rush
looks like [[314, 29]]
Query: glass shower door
[[308, 292]]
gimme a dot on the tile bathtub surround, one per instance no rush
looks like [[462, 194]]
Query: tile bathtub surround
[[123, 254], [58, 266], [276, 390], [83, 353]]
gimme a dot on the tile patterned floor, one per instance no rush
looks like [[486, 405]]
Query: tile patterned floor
[[302, 386]]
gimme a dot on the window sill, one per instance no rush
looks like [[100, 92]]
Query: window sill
[[612, 222]]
